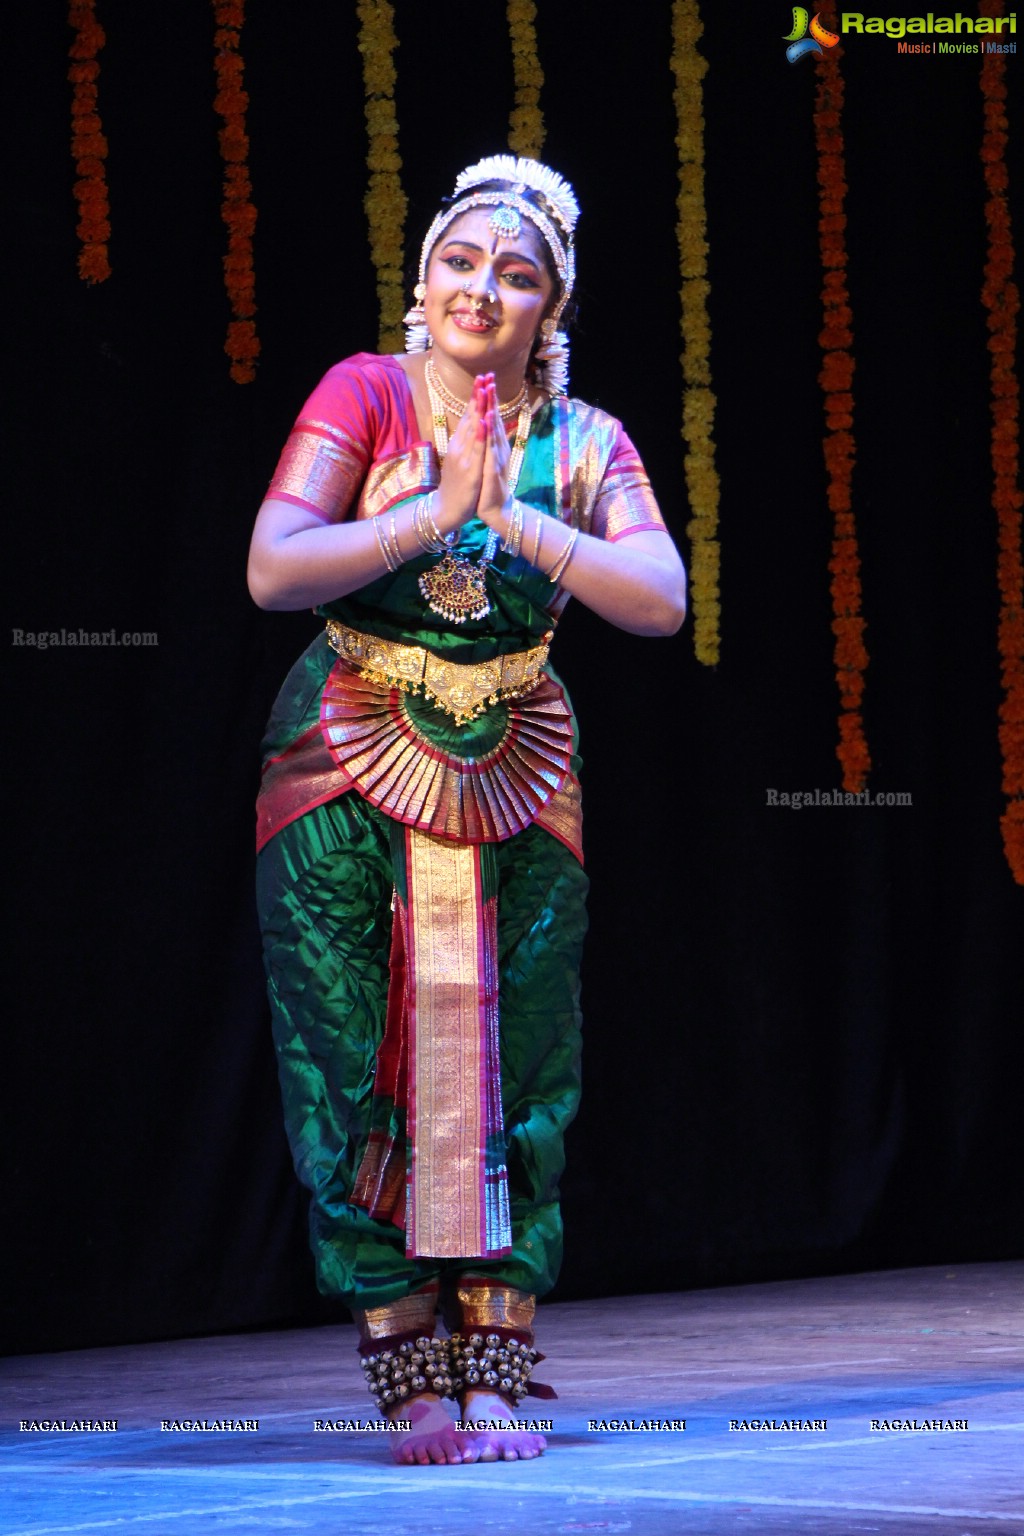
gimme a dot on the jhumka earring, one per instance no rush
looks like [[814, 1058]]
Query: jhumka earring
[[417, 337]]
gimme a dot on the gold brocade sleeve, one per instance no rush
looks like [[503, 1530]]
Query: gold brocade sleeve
[[321, 468], [610, 492], [404, 474], [625, 502]]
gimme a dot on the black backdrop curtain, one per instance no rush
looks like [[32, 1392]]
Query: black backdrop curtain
[[800, 1024]]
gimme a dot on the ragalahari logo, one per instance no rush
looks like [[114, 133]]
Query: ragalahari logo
[[808, 35]]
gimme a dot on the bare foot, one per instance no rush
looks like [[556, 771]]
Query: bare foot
[[433, 1439], [496, 1442]]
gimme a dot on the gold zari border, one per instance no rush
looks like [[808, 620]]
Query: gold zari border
[[402, 1316], [320, 466], [626, 503], [409, 473], [462, 689], [563, 816], [495, 1306], [446, 1055]]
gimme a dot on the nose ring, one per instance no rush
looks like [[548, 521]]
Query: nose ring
[[490, 297]]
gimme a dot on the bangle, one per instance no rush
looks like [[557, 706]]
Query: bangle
[[392, 556], [430, 538], [513, 540], [382, 544], [557, 571], [537, 532], [399, 557]]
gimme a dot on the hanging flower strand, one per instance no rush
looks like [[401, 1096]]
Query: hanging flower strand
[[689, 67], [385, 202], [526, 121], [242, 344], [836, 379], [88, 144], [1001, 299]]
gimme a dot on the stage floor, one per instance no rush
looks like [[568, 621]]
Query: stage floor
[[942, 1347]]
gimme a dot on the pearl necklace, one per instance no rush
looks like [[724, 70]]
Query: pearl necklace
[[454, 589]]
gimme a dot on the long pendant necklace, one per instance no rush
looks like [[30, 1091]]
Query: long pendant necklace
[[454, 588]]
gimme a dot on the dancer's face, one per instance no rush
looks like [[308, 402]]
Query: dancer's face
[[487, 294]]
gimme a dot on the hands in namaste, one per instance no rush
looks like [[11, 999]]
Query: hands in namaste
[[474, 477]]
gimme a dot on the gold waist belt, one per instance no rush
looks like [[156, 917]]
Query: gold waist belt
[[462, 689]]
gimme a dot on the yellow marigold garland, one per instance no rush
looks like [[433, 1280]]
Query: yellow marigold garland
[[689, 67], [385, 202], [242, 344], [1001, 299], [526, 121], [836, 379], [88, 144]]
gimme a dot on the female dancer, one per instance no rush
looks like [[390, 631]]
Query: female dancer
[[420, 877]]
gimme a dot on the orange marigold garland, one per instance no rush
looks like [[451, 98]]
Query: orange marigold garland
[[385, 202], [689, 67], [1001, 299], [836, 380], [242, 344], [526, 122], [88, 144]]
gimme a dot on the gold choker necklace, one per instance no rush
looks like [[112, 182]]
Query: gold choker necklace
[[456, 407]]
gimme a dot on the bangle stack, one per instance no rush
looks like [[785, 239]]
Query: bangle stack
[[512, 543], [557, 571], [429, 537], [388, 543]]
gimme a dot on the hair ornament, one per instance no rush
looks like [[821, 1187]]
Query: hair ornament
[[525, 175], [505, 221], [552, 359]]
